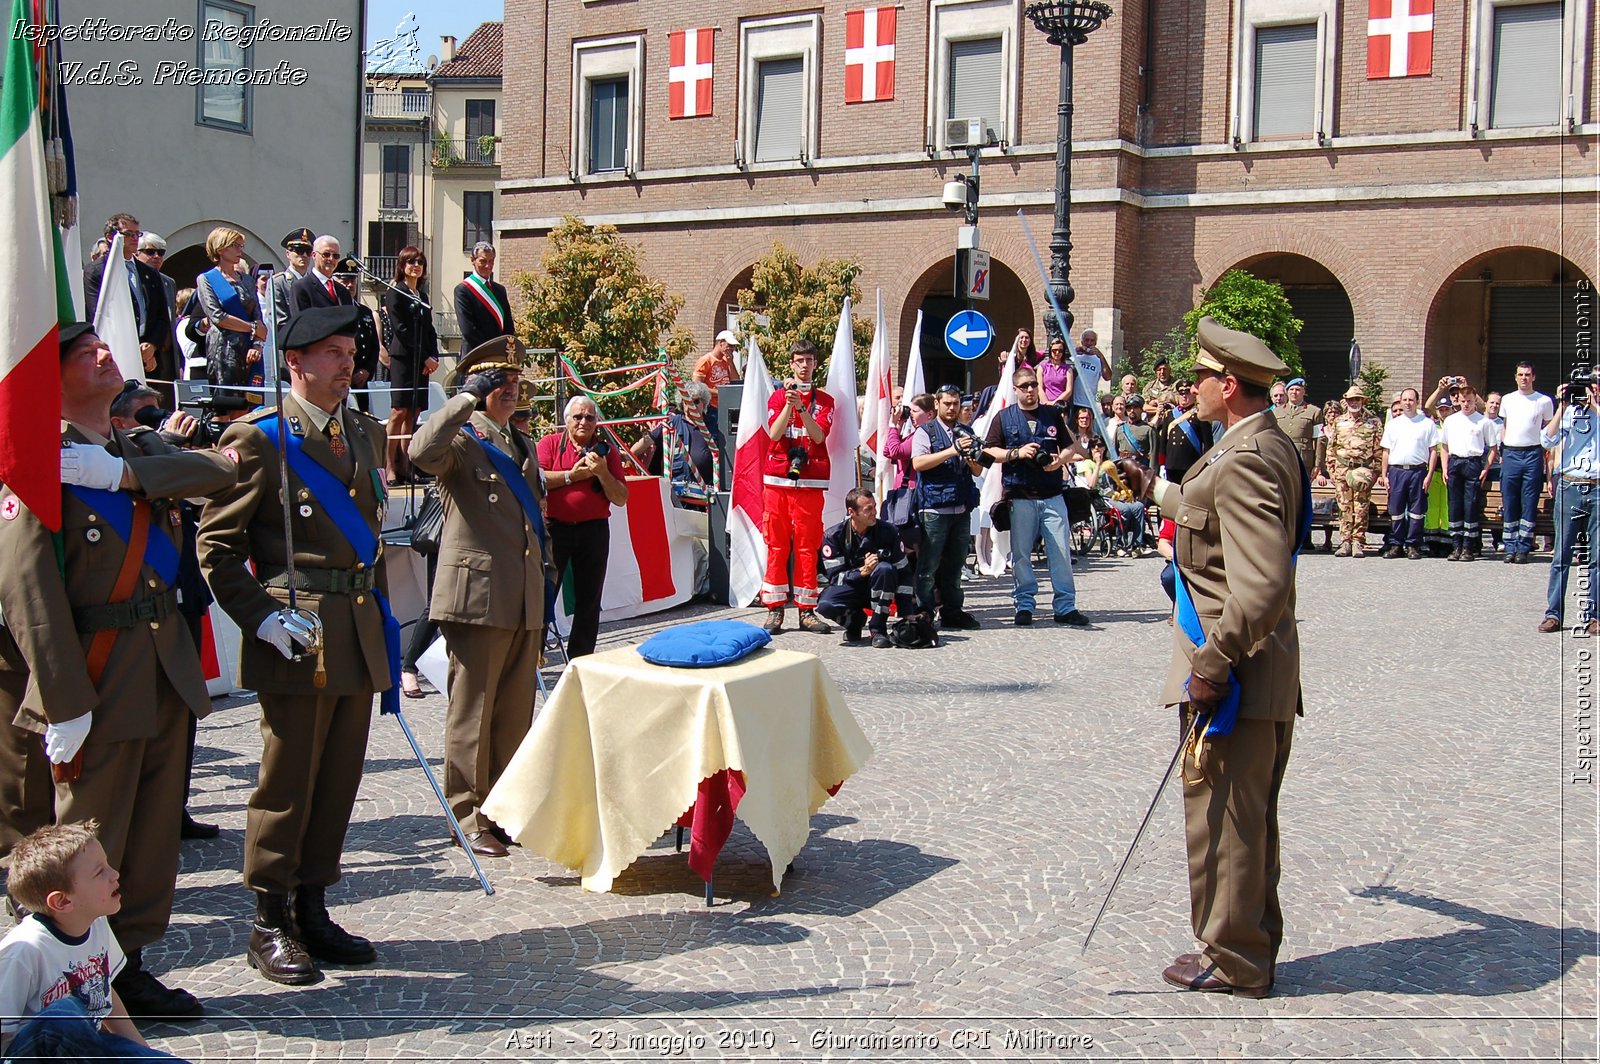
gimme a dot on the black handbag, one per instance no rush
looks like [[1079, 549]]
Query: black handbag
[[427, 526]]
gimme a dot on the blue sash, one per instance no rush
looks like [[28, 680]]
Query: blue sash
[[160, 553], [511, 473], [328, 490], [1226, 715], [226, 294], [1187, 426]]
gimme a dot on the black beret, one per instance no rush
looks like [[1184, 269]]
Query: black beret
[[318, 323], [70, 333]]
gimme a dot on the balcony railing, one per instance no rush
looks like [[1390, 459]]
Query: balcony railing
[[381, 265], [469, 151], [398, 105]]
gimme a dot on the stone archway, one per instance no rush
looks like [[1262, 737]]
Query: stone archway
[[933, 292], [1320, 301], [1506, 306]]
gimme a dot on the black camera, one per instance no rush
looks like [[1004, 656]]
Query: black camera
[[1578, 385], [208, 427], [969, 447], [602, 449], [798, 457], [1046, 453]]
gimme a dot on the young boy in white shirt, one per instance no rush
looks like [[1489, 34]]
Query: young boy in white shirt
[[56, 966]]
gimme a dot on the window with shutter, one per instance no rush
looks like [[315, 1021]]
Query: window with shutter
[[223, 101], [1286, 78], [480, 124], [396, 176], [977, 82], [608, 125], [1527, 66], [477, 209], [780, 109]]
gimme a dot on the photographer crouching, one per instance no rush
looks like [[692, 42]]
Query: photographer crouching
[[584, 478], [866, 568]]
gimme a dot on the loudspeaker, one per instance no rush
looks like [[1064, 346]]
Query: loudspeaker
[[717, 519]]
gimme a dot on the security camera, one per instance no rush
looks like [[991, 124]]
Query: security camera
[[955, 195]]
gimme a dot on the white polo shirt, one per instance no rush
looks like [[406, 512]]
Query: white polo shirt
[[1525, 417], [1469, 435], [1408, 440]]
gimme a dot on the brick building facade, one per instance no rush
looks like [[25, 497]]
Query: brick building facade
[[1446, 220]]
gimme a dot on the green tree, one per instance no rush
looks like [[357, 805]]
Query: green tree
[[1177, 347], [591, 300], [1372, 378], [802, 302], [1241, 300]]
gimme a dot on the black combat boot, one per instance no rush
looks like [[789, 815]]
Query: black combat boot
[[145, 998], [322, 938], [274, 952]]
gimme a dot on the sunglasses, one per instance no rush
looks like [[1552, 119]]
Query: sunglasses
[[1028, 384], [152, 251], [581, 417], [949, 389]]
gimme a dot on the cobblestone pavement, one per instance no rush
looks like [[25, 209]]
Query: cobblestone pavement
[[1439, 865]]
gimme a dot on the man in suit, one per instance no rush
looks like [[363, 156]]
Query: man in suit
[[156, 340], [482, 308], [346, 276], [296, 246], [105, 672], [1238, 515], [316, 697], [318, 288], [492, 635]]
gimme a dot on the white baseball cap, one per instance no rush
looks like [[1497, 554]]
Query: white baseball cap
[[727, 335]]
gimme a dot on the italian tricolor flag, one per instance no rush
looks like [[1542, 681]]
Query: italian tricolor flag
[[651, 564], [34, 295]]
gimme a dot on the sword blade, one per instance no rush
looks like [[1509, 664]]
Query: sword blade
[[1166, 777], [455, 825], [279, 368]]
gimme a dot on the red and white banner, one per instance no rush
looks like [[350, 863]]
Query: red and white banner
[[689, 71], [1399, 38], [845, 434], [993, 547], [878, 413], [869, 55], [747, 541]]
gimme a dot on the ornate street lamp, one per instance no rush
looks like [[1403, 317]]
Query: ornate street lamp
[[1065, 25]]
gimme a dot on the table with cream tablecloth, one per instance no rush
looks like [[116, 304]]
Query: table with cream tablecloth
[[622, 748]]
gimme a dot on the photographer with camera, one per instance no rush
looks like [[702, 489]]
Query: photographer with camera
[[1030, 440], [584, 478], [1572, 429], [794, 478], [946, 456]]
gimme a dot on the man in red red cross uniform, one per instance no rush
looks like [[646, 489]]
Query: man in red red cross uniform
[[795, 476]]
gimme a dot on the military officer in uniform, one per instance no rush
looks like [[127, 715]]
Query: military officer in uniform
[[315, 706], [866, 568], [1249, 493], [1353, 465], [490, 607], [104, 669], [297, 247]]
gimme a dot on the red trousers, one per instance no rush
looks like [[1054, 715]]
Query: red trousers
[[791, 518]]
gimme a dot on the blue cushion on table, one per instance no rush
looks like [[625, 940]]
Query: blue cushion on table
[[703, 644]]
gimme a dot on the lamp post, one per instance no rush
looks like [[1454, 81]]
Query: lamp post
[[1066, 25]]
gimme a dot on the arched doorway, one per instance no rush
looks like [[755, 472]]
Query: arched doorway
[[1008, 309], [1507, 306], [1320, 301], [183, 265], [725, 314]]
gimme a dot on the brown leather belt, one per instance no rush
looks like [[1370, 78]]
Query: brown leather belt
[[326, 581]]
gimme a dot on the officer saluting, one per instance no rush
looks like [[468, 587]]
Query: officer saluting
[[1250, 492], [315, 707], [106, 669], [494, 575]]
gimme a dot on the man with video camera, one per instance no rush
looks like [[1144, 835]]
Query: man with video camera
[[946, 456], [1577, 482], [1030, 440], [794, 478]]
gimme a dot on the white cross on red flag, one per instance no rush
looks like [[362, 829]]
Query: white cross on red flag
[[869, 55], [689, 73], [1399, 38]]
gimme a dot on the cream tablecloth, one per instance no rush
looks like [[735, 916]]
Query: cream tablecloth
[[616, 755]]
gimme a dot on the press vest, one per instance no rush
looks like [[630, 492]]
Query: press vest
[[1021, 478], [950, 482]]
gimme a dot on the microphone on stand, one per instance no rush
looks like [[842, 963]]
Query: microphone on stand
[[391, 286]]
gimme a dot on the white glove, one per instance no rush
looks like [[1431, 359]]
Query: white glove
[[284, 630], [63, 741], [90, 467]]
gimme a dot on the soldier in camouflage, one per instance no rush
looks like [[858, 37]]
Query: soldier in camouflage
[[1352, 463]]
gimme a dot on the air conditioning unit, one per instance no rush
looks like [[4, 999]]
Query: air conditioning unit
[[969, 133]]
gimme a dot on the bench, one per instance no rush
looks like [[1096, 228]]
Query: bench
[[1325, 514]]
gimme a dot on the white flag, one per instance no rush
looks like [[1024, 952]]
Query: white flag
[[845, 434], [114, 319], [915, 384], [994, 546], [879, 413], [747, 539]]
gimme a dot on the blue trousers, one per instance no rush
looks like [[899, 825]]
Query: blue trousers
[[946, 538], [1030, 517], [1577, 517], [64, 1031], [1464, 492], [1408, 504], [1521, 475]]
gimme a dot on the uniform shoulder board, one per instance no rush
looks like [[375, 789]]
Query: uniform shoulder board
[[365, 419], [258, 414]]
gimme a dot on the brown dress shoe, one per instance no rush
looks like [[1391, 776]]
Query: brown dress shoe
[[484, 844], [1550, 624], [273, 950], [1190, 972]]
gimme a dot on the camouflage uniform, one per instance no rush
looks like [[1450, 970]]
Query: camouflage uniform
[[1352, 465], [1157, 393]]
